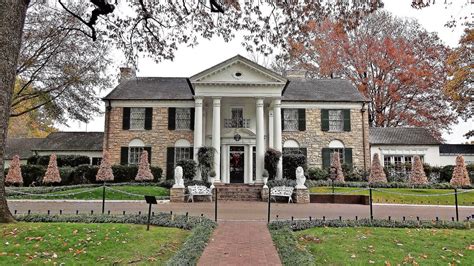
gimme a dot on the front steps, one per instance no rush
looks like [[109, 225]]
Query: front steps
[[239, 192]]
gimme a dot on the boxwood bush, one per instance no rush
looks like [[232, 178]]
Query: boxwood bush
[[82, 174], [62, 160], [189, 168], [291, 162]]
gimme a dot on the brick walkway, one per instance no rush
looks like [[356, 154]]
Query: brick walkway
[[240, 243]]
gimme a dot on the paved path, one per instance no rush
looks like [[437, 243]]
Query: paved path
[[250, 211], [240, 243]]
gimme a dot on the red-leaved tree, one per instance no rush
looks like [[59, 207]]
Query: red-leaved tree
[[417, 174], [460, 175], [377, 175], [144, 172], [394, 62], [52, 173], [105, 170], [14, 176], [336, 168]]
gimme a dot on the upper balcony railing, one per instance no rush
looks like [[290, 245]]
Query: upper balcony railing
[[236, 123]]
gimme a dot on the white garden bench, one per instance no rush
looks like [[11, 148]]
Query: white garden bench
[[197, 190], [282, 191]]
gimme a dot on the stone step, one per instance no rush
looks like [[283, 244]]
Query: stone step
[[239, 192]]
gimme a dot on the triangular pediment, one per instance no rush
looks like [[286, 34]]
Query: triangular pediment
[[238, 70]]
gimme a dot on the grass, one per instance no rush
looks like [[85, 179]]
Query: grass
[[388, 246], [87, 244], [96, 194], [419, 195]]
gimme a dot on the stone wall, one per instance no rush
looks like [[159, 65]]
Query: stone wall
[[315, 140], [159, 137]]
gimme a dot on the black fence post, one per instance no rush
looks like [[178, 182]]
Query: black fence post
[[103, 198], [215, 204], [456, 202], [370, 202], [149, 217], [269, 205]]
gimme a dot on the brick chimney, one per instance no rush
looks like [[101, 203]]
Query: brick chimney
[[296, 74], [126, 73]]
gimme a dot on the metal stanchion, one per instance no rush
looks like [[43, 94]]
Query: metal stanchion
[[370, 201], [103, 198], [215, 204], [456, 202], [269, 204]]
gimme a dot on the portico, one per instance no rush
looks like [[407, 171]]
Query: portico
[[238, 112]]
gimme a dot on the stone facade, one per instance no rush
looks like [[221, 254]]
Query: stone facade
[[158, 138], [314, 139], [301, 195]]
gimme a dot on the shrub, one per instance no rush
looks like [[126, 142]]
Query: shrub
[[32, 174], [144, 171], [336, 169], [377, 174], [417, 175], [316, 173], [52, 175], [446, 173], [105, 172], [272, 157], [354, 174], [189, 168], [291, 162], [460, 176], [62, 160], [206, 160], [13, 176], [66, 174], [84, 174]]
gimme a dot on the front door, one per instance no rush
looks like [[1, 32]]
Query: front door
[[237, 159]]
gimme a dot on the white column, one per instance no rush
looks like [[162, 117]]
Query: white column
[[259, 160], [197, 132], [277, 145], [270, 129], [216, 135]]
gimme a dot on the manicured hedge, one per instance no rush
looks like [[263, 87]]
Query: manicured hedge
[[189, 168], [62, 160], [201, 229], [298, 225], [323, 183], [291, 162], [82, 174]]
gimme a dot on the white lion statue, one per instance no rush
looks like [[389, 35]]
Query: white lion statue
[[178, 177], [300, 178]]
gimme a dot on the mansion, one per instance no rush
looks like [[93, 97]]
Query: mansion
[[241, 109]]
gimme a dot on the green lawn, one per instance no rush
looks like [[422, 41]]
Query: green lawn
[[388, 246], [466, 199], [97, 193], [87, 244]]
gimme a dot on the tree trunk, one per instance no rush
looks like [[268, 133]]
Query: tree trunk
[[12, 19]]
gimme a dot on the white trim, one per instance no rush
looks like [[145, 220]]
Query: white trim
[[321, 105], [336, 144], [182, 143], [136, 143], [152, 103]]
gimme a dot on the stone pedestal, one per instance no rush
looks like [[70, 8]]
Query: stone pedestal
[[265, 194], [301, 195], [177, 195]]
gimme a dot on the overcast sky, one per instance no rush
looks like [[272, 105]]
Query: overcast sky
[[189, 61]]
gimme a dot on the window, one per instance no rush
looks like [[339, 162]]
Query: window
[[401, 163], [96, 160], [341, 153], [183, 118], [182, 153], [237, 117], [336, 120], [134, 154], [137, 118], [290, 117]]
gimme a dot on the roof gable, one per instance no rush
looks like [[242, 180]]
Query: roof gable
[[229, 70]]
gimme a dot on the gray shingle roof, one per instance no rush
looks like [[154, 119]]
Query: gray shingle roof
[[401, 136], [72, 141], [152, 88], [21, 147], [456, 149], [337, 90], [164, 88]]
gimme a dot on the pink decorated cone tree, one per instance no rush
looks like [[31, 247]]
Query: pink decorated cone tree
[[144, 172], [52, 173], [377, 174], [336, 168], [460, 175], [105, 170], [14, 176], [417, 174]]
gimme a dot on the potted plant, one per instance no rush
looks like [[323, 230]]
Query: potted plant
[[212, 175], [265, 178]]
